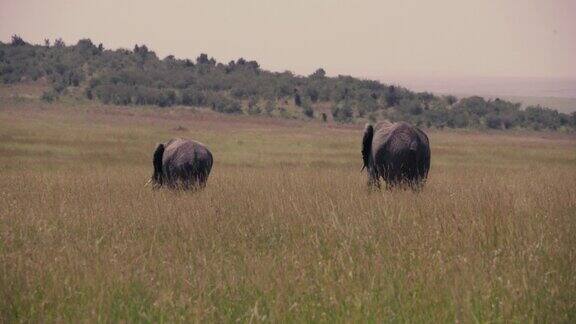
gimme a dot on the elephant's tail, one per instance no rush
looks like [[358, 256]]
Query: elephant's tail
[[157, 161], [367, 145]]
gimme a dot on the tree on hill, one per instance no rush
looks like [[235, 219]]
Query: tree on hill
[[297, 99], [318, 74], [59, 43], [17, 41]]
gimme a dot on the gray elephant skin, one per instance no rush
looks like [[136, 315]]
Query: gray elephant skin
[[399, 153], [181, 164]]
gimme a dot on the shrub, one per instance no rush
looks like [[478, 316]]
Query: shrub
[[493, 122], [223, 104], [192, 97], [253, 108], [297, 100], [49, 96], [308, 111], [342, 113], [269, 107], [284, 113]]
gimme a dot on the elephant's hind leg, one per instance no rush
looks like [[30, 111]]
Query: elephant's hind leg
[[373, 179]]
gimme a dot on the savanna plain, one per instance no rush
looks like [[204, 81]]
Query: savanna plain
[[285, 231]]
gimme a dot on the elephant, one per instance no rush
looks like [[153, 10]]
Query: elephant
[[181, 163], [397, 152]]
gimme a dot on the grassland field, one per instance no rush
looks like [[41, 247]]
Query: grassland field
[[286, 230]]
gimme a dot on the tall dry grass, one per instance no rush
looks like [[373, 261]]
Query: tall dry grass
[[285, 230]]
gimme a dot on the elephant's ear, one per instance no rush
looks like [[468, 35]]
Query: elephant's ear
[[367, 144], [157, 161]]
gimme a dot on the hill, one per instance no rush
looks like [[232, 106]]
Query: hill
[[140, 77]]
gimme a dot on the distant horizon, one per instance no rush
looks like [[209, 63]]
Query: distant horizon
[[538, 87]]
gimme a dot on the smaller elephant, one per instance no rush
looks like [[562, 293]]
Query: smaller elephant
[[397, 152], [181, 163]]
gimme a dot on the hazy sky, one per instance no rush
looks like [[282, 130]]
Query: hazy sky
[[375, 38]]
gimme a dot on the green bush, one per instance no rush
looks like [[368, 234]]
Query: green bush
[[269, 107], [49, 96], [342, 113], [253, 108], [192, 97], [308, 111], [493, 121]]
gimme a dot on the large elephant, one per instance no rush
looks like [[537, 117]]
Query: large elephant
[[397, 152], [181, 163]]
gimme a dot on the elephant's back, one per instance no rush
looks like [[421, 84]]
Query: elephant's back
[[394, 137], [403, 137], [382, 132], [184, 151]]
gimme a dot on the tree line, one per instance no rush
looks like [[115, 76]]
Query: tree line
[[139, 77]]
